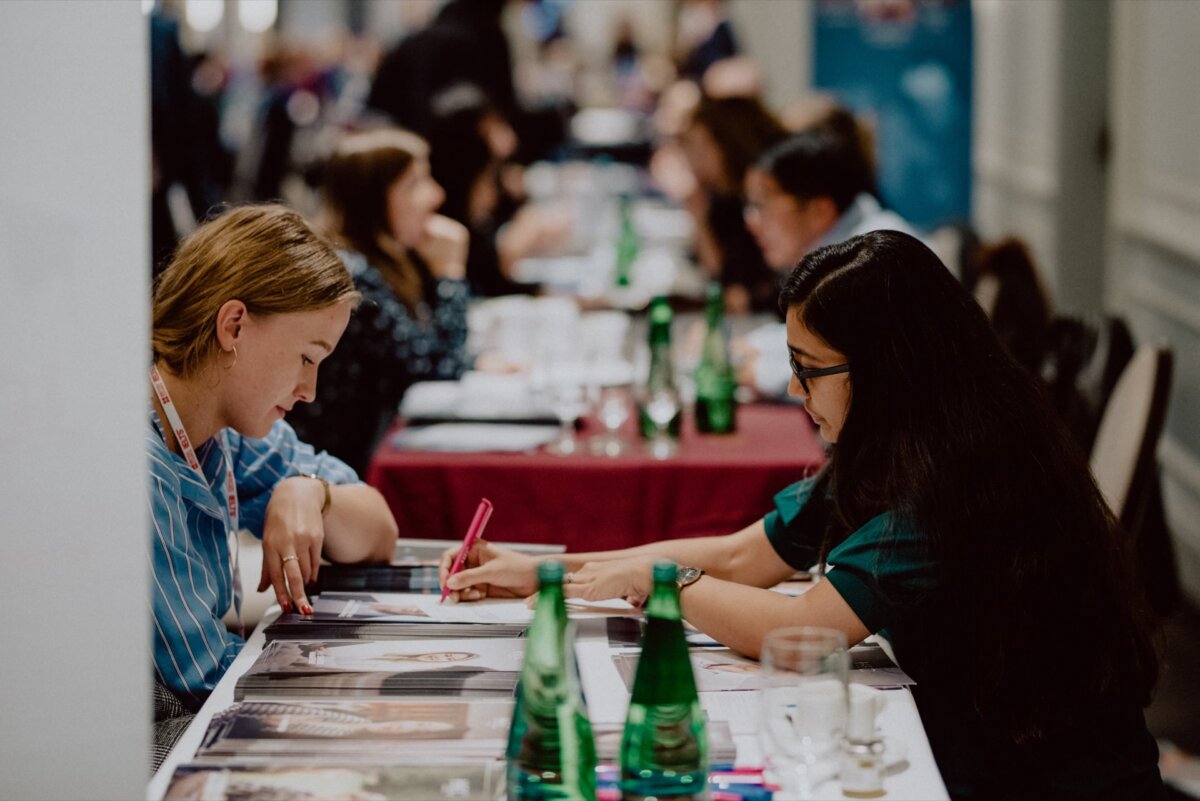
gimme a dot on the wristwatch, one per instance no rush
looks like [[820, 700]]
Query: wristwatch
[[687, 575]]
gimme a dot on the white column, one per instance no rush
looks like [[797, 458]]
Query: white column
[[74, 264]]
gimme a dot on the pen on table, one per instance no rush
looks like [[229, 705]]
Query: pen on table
[[473, 532]]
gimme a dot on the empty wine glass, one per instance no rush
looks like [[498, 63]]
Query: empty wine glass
[[568, 402], [803, 706], [662, 407], [612, 408]]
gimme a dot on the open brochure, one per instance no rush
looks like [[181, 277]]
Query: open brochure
[[422, 608], [719, 669]]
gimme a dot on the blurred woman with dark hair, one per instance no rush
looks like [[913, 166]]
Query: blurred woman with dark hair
[[1011, 294], [409, 263], [471, 144], [719, 143]]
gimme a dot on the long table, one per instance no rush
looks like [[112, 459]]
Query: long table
[[916, 777], [715, 485]]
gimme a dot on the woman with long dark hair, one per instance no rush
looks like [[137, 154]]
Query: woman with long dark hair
[[720, 143], [956, 518], [409, 265]]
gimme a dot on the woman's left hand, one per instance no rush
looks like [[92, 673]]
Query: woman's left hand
[[293, 535], [630, 579]]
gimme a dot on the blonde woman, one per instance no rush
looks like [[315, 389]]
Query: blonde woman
[[251, 304]]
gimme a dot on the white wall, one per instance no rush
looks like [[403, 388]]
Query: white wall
[[1047, 75], [75, 686], [1040, 105], [779, 36], [1154, 245]]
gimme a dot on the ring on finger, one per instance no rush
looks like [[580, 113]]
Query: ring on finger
[[287, 559], [569, 578]]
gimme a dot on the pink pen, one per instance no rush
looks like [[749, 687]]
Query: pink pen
[[482, 514]]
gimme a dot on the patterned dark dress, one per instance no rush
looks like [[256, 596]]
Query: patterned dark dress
[[386, 349]]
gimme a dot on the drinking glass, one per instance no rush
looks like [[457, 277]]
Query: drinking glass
[[661, 407], [803, 706], [612, 407], [568, 402]]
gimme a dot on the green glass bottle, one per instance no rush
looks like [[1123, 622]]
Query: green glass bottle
[[716, 409], [628, 244], [551, 751], [664, 752], [659, 407]]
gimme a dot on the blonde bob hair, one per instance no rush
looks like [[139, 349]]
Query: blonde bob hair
[[266, 256]]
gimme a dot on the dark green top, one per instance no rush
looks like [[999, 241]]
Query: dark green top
[[886, 574]]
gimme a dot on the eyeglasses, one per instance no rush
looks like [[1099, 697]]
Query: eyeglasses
[[803, 375]]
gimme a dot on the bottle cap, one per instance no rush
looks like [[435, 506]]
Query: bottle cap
[[660, 311], [550, 572], [665, 570]]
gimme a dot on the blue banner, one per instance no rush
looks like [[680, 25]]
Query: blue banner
[[905, 66]]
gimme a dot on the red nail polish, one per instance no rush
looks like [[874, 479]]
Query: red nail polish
[[287, 606], [306, 609]]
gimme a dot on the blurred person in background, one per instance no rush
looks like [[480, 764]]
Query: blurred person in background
[[471, 147], [822, 112], [409, 263], [465, 43], [703, 36], [719, 142], [1011, 294], [186, 150], [812, 189], [739, 76]]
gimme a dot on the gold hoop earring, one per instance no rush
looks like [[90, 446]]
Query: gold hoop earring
[[235, 357]]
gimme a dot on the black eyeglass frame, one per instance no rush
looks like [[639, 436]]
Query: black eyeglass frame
[[803, 375]]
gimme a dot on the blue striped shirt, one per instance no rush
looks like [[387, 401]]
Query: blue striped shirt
[[189, 554]]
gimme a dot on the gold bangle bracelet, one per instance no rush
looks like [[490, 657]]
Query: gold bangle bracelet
[[325, 484]]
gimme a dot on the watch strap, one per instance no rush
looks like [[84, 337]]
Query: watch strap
[[324, 484]]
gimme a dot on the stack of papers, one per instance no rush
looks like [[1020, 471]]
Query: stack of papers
[[396, 616], [467, 667], [388, 578], [462, 781], [370, 730]]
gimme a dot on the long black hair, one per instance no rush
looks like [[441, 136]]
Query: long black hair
[[947, 432]]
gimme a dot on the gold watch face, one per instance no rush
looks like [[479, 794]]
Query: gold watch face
[[687, 575]]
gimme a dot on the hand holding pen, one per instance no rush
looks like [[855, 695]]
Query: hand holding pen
[[486, 570], [478, 523]]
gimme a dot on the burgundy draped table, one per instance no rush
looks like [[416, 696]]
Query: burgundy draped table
[[716, 484]]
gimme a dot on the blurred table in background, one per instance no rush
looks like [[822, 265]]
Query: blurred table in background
[[716, 484]]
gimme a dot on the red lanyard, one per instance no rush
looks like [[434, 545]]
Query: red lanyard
[[189, 454]]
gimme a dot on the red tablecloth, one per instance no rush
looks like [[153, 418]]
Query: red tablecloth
[[715, 485]]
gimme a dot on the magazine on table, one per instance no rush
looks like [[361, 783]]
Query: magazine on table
[[719, 669], [364, 728], [480, 666], [403, 607], [381, 578], [463, 781], [383, 731], [304, 628]]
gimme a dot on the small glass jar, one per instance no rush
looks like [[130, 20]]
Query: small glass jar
[[862, 768]]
